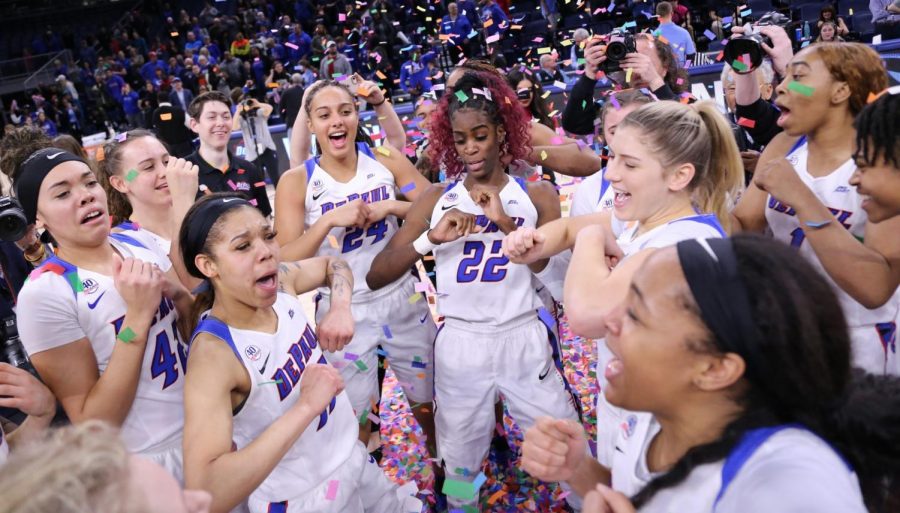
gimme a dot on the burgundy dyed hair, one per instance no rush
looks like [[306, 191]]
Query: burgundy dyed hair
[[502, 109]]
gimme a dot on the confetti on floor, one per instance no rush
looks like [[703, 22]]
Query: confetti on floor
[[507, 488]]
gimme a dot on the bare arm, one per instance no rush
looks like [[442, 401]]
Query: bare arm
[[216, 380], [300, 136], [396, 258], [562, 153], [411, 183], [394, 132], [750, 213], [546, 200], [529, 245]]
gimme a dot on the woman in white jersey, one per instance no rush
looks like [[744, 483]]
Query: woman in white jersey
[[672, 191], [492, 341], [743, 415], [344, 203], [99, 319], [803, 197], [147, 196], [265, 418]]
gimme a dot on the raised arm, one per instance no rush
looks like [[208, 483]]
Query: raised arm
[[300, 136], [71, 370], [394, 133], [528, 245], [215, 380], [750, 213]]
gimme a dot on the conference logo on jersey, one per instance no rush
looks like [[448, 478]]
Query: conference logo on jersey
[[90, 286], [451, 196], [629, 425], [317, 185], [253, 353]]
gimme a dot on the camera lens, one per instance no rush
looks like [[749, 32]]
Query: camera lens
[[616, 51], [748, 46], [12, 225]]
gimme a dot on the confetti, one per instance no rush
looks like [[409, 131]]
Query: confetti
[[331, 492], [361, 365], [384, 151], [411, 186], [387, 332], [259, 184], [462, 97], [543, 155], [797, 87], [749, 123], [332, 241], [165, 116], [126, 335], [232, 185], [709, 35], [459, 489], [276, 382], [415, 298], [351, 356], [131, 175], [628, 73], [739, 66]]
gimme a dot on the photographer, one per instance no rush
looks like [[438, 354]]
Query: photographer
[[653, 65], [252, 118]]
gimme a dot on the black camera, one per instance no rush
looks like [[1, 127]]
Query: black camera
[[248, 109], [11, 347], [750, 43], [13, 224], [619, 46], [523, 94]]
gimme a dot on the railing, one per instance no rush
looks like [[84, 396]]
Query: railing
[[47, 72]]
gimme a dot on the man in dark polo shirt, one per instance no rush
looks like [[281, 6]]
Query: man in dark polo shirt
[[220, 171]]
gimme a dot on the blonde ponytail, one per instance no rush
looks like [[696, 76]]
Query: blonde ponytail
[[724, 182]]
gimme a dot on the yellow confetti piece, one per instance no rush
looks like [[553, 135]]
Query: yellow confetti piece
[[546, 49], [543, 155], [628, 74], [415, 298], [332, 241], [567, 42], [488, 22], [384, 151], [165, 116]]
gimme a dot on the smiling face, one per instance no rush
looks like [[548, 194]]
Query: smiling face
[[423, 111], [333, 119], [827, 32], [72, 206], [243, 259], [642, 187], [802, 114], [213, 125], [148, 187], [879, 185], [656, 342], [477, 140]]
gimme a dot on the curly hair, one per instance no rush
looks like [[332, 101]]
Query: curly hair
[[501, 109], [18, 145], [877, 131]]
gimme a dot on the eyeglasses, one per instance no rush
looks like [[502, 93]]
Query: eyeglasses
[[523, 94]]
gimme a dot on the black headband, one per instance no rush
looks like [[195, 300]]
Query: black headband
[[203, 219], [32, 173], [710, 268]]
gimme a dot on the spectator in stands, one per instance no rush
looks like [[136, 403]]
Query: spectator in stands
[[549, 71], [457, 28], [828, 14], [334, 64], [192, 43], [235, 69], [681, 16], [530, 95], [306, 72], [130, 104], [886, 18], [148, 70], [252, 118], [46, 124], [169, 124], [495, 22], [180, 97], [301, 44], [550, 12], [220, 171], [291, 99], [678, 38], [276, 74], [750, 148], [240, 47], [576, 54], [828, 33], [414, 78]]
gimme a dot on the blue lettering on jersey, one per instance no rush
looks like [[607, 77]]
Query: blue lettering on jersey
[[887, 332], [380, 193], [165, 361], [778, 206], [798, 235], [490, 226], [288, 375]]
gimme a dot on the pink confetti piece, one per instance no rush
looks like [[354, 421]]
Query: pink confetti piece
[[331, 493]]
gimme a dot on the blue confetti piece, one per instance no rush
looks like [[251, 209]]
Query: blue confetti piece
[[381, 352], [546, 317], [746, 13], [709, 35], [726, 20], [408, 187], [479, 480], [630, 24], [419, 365], [387, 331]]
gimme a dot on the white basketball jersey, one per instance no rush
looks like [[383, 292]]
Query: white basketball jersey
[[842, 199], [62, 303], [475, 282], [359, 247], [4, 447], [700, 226], [275, 363]]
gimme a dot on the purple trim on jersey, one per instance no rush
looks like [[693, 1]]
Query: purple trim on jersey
[[218, 329], [277, 507], [707, 219], [749, 443], [797, 145], [127, 225], [56, 265], [557, 358], [311, 164], [604, 185], [364, 148], [127, 239], [521, 181], [450, 186]]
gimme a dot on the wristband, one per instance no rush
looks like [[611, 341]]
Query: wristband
[[423, 244], [817, 225], [380, 103]]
